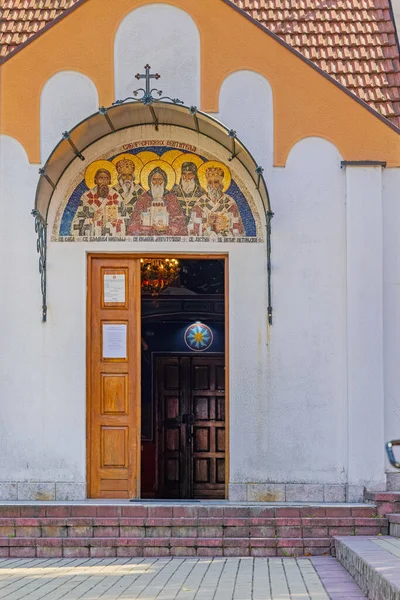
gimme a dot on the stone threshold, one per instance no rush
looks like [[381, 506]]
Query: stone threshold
[[373, 562], [202, 503]]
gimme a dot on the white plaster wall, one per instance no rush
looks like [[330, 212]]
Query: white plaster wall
[[303, 435], [66, 99], [246, 106], [31, 432], [365, 326], [167, 39], [391, 301]]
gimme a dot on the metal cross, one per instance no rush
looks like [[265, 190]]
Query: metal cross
[[147, 77]]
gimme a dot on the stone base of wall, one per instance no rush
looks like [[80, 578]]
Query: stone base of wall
[[393, 482], [238, 492], [295, 492], [44, 491]]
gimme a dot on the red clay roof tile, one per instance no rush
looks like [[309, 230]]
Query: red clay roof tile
[[352, 40]]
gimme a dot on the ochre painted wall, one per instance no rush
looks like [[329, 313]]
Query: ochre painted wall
[[305, 103]]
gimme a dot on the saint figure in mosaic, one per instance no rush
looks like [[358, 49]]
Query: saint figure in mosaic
[[188, 189], [128, 168], [157, 211], [99, 210], [220, 214]]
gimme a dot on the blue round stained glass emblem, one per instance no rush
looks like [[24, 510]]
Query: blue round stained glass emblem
[[198, 337]]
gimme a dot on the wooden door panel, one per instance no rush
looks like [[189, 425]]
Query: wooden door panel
[[114, 394], [220, 439], [113, 383], [201, 439], [114, 447], [220, 472], [201, 377], [201, 408]]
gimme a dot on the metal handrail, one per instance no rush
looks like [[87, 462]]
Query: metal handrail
[[390, 453]]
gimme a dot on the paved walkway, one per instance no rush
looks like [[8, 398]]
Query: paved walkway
[[175, 579], [390, 544]]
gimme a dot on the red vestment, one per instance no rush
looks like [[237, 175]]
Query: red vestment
[[176, 218]]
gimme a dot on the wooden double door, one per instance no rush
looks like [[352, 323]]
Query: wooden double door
[[190, 401]]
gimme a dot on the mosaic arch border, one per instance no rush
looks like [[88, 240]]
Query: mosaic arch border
[[132, 140]]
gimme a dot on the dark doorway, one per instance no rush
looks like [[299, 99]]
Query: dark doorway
[[183, 387]]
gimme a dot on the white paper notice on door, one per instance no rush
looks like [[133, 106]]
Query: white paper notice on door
[[114, 340], [114, 288]]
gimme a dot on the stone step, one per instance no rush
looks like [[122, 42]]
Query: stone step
[[394, 525], [163, 546], [385, 502], [202, 510], [148, 530], [374, 563], [279, 527]]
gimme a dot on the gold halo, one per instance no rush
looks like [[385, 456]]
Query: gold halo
[[133, 158], [201, 173], [95, 166], [170, 155], [146, 156], [178, 162], [166, 167]]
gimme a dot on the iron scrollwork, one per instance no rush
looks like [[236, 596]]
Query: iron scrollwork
[[41, 247]]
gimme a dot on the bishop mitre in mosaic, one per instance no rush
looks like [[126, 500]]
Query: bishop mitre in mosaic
[[98, 213], [220, 216], [127, 188], [188, 191], [158, 211]]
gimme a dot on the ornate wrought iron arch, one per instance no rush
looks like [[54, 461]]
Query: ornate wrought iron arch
[[143, 108]]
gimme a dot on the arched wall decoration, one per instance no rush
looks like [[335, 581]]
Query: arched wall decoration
[[95, 208], [197, 198]]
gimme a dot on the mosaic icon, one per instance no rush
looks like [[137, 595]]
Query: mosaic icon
[[158, 191], [198, 337]]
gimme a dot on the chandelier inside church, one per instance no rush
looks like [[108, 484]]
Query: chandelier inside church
[[158, 273]]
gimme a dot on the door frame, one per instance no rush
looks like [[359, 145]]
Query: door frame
[[146, 254]]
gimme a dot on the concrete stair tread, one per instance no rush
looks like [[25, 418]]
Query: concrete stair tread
[[203, 510], [373, 562], [393, 518]]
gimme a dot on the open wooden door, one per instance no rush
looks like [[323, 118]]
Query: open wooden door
[[113, 376]]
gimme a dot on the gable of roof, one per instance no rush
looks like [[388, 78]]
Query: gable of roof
[[353, 41]]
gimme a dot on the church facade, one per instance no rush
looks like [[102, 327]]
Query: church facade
[[143, 134]]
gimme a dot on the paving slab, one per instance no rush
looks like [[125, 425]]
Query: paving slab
[[217, 578]]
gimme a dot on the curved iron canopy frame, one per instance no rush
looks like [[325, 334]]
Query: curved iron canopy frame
[[149, 104]]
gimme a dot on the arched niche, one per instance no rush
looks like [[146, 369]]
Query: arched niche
[[143, 37], [66, 98]]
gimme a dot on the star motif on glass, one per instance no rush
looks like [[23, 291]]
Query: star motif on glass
[[198, 337]]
